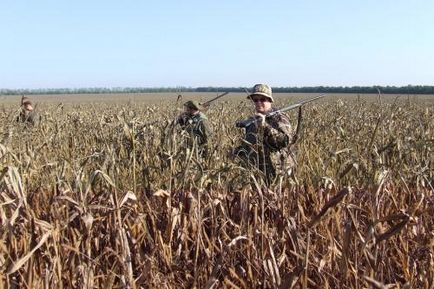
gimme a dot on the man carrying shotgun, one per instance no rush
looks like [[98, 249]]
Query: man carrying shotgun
[[267, 139], [195, 123], [269, 134]]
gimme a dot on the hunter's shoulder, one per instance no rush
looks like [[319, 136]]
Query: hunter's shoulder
[[280, 117]]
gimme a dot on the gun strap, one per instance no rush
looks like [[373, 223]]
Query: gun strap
[[299, 126]]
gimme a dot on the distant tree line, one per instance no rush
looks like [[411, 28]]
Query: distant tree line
[[410, 89]]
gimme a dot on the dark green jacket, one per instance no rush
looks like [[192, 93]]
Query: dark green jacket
[[198, 129]]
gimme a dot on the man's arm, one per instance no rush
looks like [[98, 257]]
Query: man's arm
[[182, 119], [279, 136]]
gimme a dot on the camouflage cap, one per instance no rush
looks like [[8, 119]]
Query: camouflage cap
[[262, 89], [192, 104]]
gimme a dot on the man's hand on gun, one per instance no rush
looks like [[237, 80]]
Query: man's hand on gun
[[260, 119]]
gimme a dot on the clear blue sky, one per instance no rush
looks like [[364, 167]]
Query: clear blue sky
[[59, 43]]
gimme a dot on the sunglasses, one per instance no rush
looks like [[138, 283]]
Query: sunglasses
[[260, 99]]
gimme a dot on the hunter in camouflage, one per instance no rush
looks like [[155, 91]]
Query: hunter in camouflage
[[28, 115], [195, 123], [267, 140]]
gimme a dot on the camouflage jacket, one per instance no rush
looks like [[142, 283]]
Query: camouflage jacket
[[31, 118], [197, 127], [267, 148]]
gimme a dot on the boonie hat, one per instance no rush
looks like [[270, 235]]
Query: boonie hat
[[262, 89], [192, 104]]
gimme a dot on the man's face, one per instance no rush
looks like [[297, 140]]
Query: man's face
[[190, 111], [28, 107], [262, 103]]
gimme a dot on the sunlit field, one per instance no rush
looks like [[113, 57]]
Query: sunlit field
[[104, 194]]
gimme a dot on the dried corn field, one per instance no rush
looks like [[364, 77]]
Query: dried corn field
[[102, 194]]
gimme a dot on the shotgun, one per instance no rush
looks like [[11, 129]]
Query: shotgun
[[207, 103], [250, 121]]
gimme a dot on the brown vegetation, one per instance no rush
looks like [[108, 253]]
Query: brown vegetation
[[95, 198]]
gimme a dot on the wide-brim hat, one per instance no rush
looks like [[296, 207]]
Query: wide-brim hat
[[262, 89], [192, 104]]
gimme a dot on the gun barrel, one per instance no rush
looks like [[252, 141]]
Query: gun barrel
[[215, 98], [296, 105], [247, 122]]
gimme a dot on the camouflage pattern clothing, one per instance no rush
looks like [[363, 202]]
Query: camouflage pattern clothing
[[29, 117], [267, 148], [199, 131]]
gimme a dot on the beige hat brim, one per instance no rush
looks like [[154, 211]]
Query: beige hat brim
[[263, 94]]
